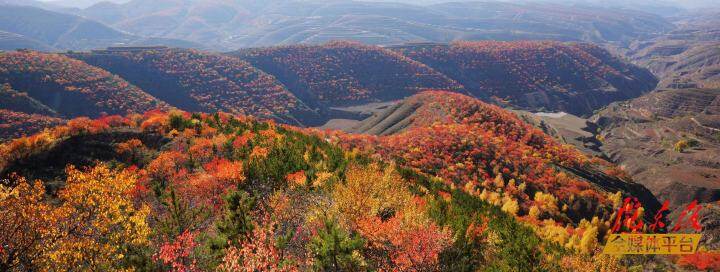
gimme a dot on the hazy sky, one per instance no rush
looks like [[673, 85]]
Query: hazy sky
[[680, 3], [82, 3]]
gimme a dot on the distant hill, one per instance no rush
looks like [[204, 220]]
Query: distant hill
[[70, 87], [659, 7], [40, 29], [11, 41], [698, 25], [56, 29], [228, 25], [81, 3], [695, 65], [688, 57], [344, 73], [200, 81], [29, 3], [550, 76]]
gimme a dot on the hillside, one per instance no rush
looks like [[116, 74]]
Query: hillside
[[230, 25], [81, 3], [698, 25], [687, 57], [200, 81], [343, 73], [667, 140], [681, 63], [69, 87], [541, 76], [203, 192], [18, 101], [438, 122], [560, 21], [639, 136], [15, 124], [56, 29]]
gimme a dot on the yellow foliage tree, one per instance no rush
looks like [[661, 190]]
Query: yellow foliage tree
[[616, 199], [522, 187], [596, 263], [546, 202], [553, 232], [23, 209], [681, 145], [371, 191], [589, 240], [100, 221], [511, 206]]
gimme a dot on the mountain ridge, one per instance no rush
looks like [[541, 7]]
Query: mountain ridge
[[47, 30]]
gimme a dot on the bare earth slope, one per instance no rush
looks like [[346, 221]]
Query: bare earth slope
[[641, 134], [688, 56]]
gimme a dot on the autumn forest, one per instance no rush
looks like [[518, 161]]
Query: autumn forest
[[490, 151]]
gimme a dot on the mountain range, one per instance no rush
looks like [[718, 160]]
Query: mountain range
[[40, 29], [228, 25]]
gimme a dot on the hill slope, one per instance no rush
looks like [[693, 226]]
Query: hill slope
[[343, 73], [550, 76], [70, 87], [17, 101], [681, 63], [269, 182], [687, 57], [15, 124], [200, 81], [434, 121], [643, 135]]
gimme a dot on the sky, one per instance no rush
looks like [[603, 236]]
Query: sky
[[81, 3], [679, 3]]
